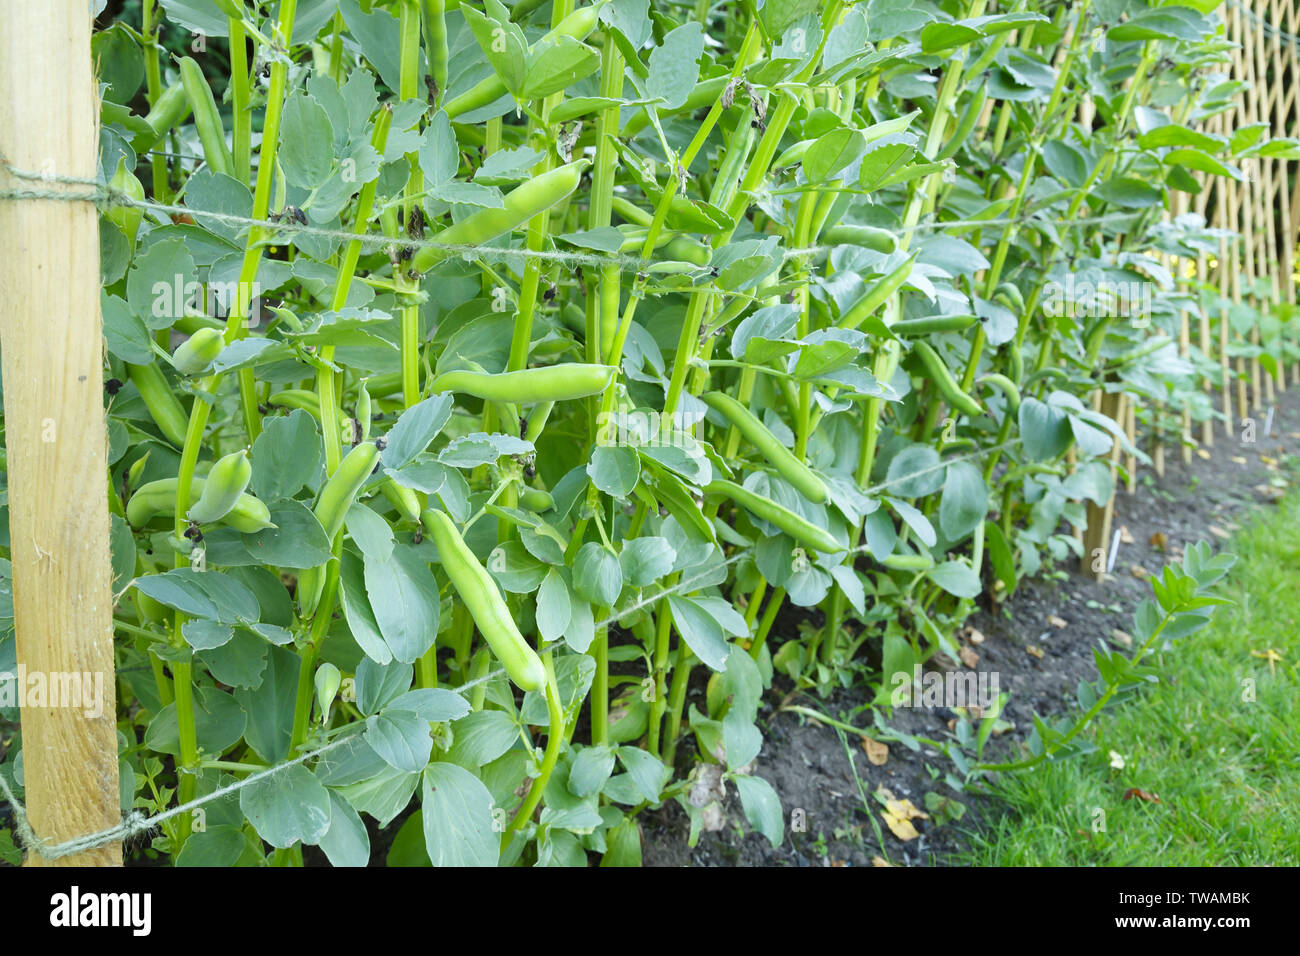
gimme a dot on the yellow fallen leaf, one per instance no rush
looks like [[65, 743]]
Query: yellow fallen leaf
[[1125, 536], [1057, 622], [1158, 540], [877, 752], [969, 657], [1139, 572], [899, 815], [1219, 532], [1035, 650], [1269, 655], [1203, 453], [976, 636], [1124, 637], [1238, 459], [880, 861]]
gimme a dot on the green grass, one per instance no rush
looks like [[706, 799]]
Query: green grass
[[1226, 769]]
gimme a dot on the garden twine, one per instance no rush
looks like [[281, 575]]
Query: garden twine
[[104, 196], [136, 822]]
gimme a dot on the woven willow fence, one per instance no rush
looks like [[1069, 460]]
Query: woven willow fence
[[1253, 274]]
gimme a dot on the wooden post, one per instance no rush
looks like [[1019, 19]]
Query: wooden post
[[1113, 405], [54, 426]]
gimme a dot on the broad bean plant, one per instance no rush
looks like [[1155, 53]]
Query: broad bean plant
[[503, 397]]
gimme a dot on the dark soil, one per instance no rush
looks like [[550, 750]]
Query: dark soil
[[808, 764]]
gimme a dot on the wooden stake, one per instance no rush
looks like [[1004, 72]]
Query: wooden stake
[[54, 426], [1114, 406]]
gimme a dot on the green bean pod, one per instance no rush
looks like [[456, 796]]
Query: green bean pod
[[126, 217], [365, 417], [435, 34], [164, 407], [402, 498], [908, 562], [336, 497], [535, 499], [484, 602], [847, 234], [247, 515], [302, 398], [207, 120], [519, 206], [1006, 386], [1009, 294], [932, 324], [552, 383], [787, 465], [198, 351], [881, 291], [168, 110], [944, 381], [222, 488], [342, 487], [795, 525]]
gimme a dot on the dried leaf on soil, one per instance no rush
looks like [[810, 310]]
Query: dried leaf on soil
[[877, 752]]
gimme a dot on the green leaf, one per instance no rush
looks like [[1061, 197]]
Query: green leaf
[[125, 333], [457, 811], [287, 456], [597, 576], [270, 707], [779, 14], [623, 844], [936, 37], [515, 569], [703, 634], [1044, 430], [401, 738], [503, 43], [1175, 134], [957, 578], [965, 500], [762, 807], [288, 807], [674, 67], [220, 845], [415, 429], [646, 560], [614, 469], [296, 541], [346, 842], [591, 768], [306, 142], [915, 472], [554, 608], [403, 596], [481, 737], [357, 611], [646, 771], [205, 594], [555, 64], [161, 281]]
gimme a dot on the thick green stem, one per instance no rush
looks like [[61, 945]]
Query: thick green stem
[[554, 739], [241, 117]]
